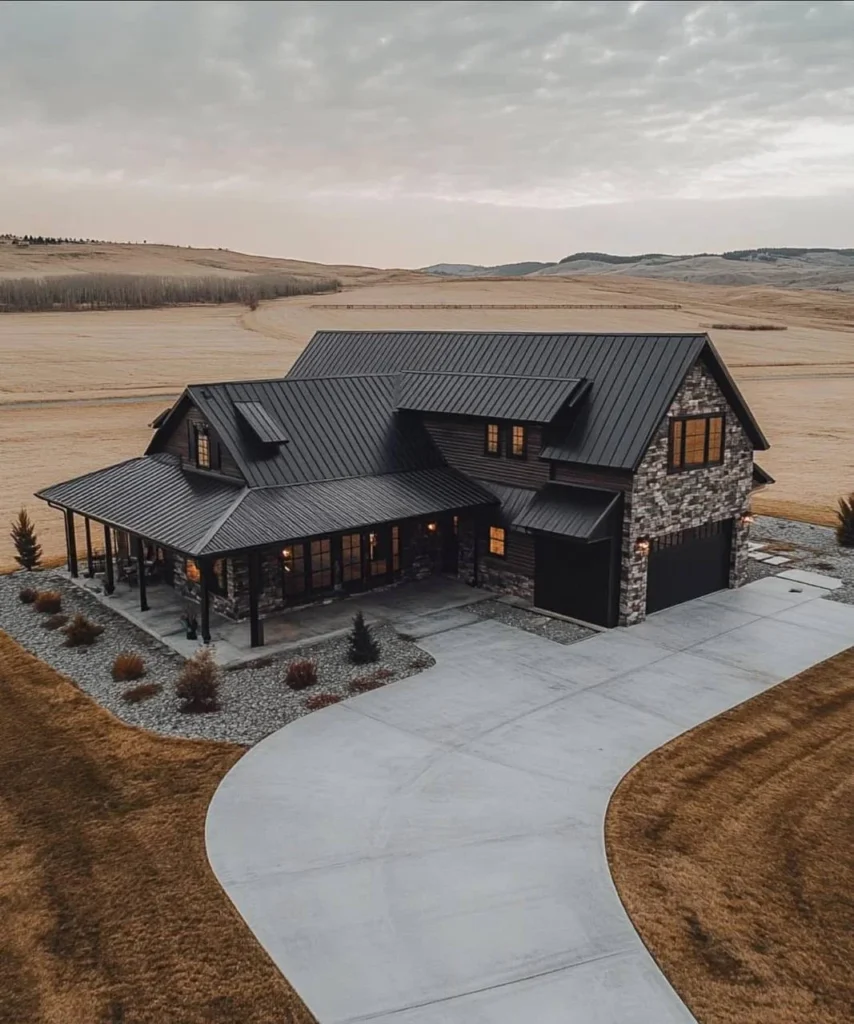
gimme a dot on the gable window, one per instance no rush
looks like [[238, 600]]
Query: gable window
[[518, 441], [497, 541], [493, 439], [696, 441], [203, 446]]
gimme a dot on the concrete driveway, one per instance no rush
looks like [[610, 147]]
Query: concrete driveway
[[432, 852]]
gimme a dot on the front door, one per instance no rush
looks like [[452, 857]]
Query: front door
[[576, 579]]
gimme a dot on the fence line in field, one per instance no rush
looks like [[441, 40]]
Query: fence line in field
[[448, 305]]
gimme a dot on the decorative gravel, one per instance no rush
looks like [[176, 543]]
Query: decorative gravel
[[812, 547], [254, 700], [541, 625]]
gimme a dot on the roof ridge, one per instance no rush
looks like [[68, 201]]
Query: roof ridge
[[502, 376], [220, 521]]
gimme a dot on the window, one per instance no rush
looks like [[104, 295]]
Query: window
[[218, 577], [497, 541], [377, 560], [192, 571], [293, 570], [351, 557], [696, 441], [203, 447], [395, 548], [321, 563], [518, 441], [493, 439]]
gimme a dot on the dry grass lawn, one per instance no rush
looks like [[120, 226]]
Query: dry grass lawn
[[110, 912], [731, 848]]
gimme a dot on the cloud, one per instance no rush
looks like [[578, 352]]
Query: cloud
[[506, 103]]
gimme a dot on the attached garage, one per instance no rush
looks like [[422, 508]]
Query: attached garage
[[688, 564]]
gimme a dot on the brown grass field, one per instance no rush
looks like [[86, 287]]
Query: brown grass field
[[62, 372], [731, 850], [110, 911]]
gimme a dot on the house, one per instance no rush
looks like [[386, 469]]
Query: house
[[599, 476]]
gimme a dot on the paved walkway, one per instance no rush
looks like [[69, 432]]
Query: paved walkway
[[432, 852]]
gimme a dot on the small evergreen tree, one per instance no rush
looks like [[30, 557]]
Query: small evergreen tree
[[845, 524], [363, 647], [26, 543]]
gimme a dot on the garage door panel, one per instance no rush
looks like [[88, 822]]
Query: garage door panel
[[688, 564]]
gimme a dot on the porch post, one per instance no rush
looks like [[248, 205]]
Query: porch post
[[109, 580], [140, 571], [90, 564], [71, 542], [475, 576], [206, 603], [256, 634]]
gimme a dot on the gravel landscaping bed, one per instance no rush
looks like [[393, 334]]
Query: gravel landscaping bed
[[541, 625], [809, 547], [254, 699]]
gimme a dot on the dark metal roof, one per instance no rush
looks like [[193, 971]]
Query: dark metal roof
[[336, 429], [160, 418], [761, 476], [500, 396], [577, 512], [514, 500], [151, 496], [272, 514], [634, 376], [261, 423]]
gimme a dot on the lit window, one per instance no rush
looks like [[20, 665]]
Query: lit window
[[321, 563], [497, 541], [395, 548], [293, 569], [493, 439], [518, 442], [219, 576], [696, 441], [351, 557], [192, 571], [203, 448], [377, 548]]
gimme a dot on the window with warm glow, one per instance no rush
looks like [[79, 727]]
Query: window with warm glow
[[696, 441], [497, 541], [321, 563], [192, 571], [203, 448], [218, 581], [293, 569], [518, 442], [493, 439], [377, 554], [351, 557], [395, 548]]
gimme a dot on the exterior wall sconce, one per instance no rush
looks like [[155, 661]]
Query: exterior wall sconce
[[642, 546], [286, 552], [432, 527], [746, 519]]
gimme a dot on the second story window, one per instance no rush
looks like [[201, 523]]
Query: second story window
[[203, 447], [493, 439], [696, 441], [497, 541], [518, 441]]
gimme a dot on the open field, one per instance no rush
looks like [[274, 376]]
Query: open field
[[110, 911], [800, 381], [731, 850]]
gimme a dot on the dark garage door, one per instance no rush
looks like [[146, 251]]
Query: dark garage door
[[576, 579], [688, 564]]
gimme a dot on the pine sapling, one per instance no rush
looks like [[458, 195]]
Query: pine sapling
[[26, 543], [363, 647]]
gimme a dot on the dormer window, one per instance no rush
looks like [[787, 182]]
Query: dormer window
[[518, 441], [203, 446], [493, 439]]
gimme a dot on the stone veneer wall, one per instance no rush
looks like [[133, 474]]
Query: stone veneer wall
[[660, 502], [235, 602], [492, 573]]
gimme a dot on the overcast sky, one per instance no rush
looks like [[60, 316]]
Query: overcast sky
[[406, 133]]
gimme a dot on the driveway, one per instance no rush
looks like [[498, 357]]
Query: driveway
[[433, 853]]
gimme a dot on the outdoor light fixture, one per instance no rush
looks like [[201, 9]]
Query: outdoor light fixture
[[642, 546], [432, 527], [746, 519]]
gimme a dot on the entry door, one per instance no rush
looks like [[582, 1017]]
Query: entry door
[[576, 579], [688, 564]]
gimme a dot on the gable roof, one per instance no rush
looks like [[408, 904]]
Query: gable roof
[[498, 396], [634, 377]]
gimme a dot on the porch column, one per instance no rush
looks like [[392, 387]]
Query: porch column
[[90, 564], [71, 542], [256, 633], [475, 556], [205, 602], [109, 580], [140, 571]]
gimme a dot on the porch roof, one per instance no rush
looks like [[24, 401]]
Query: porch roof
[[155, 498], [563, 509]]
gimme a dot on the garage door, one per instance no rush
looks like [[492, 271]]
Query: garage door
[[688, 564]]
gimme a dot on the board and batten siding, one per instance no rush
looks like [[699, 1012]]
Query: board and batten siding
[[179, 440], [584, 476], [462, 443]]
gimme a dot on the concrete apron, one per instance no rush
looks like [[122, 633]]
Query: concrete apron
[[433, 853]]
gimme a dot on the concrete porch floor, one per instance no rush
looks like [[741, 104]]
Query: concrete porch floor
[[416, 609]]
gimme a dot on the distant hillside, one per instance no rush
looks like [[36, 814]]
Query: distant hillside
[[817, 268]]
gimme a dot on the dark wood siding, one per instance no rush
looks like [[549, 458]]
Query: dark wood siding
[[583, 476], [520, 554], [462, 443], [178, 441]]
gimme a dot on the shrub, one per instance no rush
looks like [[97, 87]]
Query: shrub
[[136, 694], [26, 595], [29, 552], [55, 621], [82, 632], [127, 666], [363, 647], [322, 700], [48, 601], [845, 524], [371, 681], [198, 685], [301, 674]]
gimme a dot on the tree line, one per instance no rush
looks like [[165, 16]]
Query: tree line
[[140, 291]]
